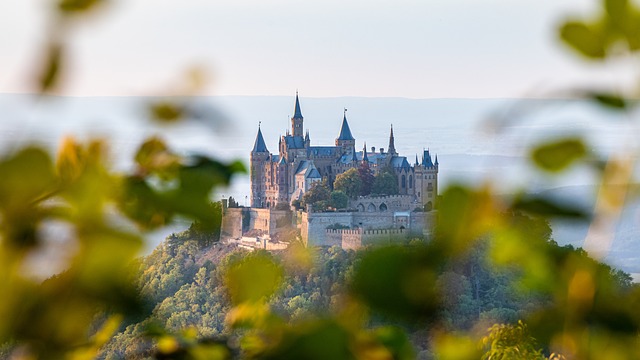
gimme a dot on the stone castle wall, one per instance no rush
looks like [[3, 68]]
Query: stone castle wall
[[355, 239], [266, 221], [316, 228]]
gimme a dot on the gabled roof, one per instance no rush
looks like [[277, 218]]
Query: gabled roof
[[259, 145], [313, 173], [400, 162], [345, 132]]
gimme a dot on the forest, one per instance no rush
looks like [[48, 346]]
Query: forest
[[184, 287]]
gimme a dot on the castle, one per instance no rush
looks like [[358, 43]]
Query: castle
[[277, 181], [280, 179]]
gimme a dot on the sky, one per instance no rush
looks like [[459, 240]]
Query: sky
[[372, 48]]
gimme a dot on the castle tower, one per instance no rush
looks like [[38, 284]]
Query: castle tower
[[297, 119], [259, 159], [429, 183], [345, 140], [392, 145]]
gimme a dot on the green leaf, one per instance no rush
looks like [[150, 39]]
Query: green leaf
[[617, 11], [50, 72], [558, 155], [253, 278], [549, 208], [76, 6], [398, 281], [584, 38], [167, 111], [154, 156], [608, 100], [320, 340]]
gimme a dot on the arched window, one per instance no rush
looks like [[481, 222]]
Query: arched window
[[410, 181], [428, 206], [360, 207], [383, 207], [403, 181], [371, 208]]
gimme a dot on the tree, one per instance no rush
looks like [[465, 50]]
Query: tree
[[319, 191], [367, 178], [349, 183], [339, 199], [385, 183]]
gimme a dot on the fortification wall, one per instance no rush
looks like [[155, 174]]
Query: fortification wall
[[232, 223], [317, 224], [384, 236]]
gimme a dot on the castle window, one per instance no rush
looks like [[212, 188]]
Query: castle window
[[404, 181], [371, 208], [383, 207], [410, 181]]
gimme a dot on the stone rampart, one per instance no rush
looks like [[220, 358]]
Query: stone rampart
[[232, 222]]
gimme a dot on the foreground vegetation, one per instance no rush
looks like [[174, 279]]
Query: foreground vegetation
[[486, 263]]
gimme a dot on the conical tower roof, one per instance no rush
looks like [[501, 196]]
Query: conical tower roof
[[297, 112], [364, 153], [345, 132], [259, 145]]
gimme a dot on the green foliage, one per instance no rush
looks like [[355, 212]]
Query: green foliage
[[339, 199], [349, 182], [318, 196], [511, 342], [385, 183], [367, 178]]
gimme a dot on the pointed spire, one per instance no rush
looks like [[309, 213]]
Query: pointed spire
[[417, 159], [345, 132], [436, 160], [392, 145], [306, 136], [354, 158], [364, 153], [259, 145], [297, 112]]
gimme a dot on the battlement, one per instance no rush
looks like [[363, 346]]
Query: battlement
[[386, 197], [372, 232]]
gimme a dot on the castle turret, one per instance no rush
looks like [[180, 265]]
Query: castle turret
[[297, 119], [392, 144], [259, 159], [307, 140], [365, 158], [345, 140]]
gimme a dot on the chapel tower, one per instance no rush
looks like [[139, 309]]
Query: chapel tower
[[297, 119]]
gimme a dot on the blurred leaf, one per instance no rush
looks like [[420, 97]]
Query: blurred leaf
[[167, 111], [617, 10], [51, 68], [548, 207], [612, 101], [584, 38], [397, 281], [396, 341], [558, 155], [154, 156], [76, 6], [253, 278], [69, 161], [318, 340], [476, 209]]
